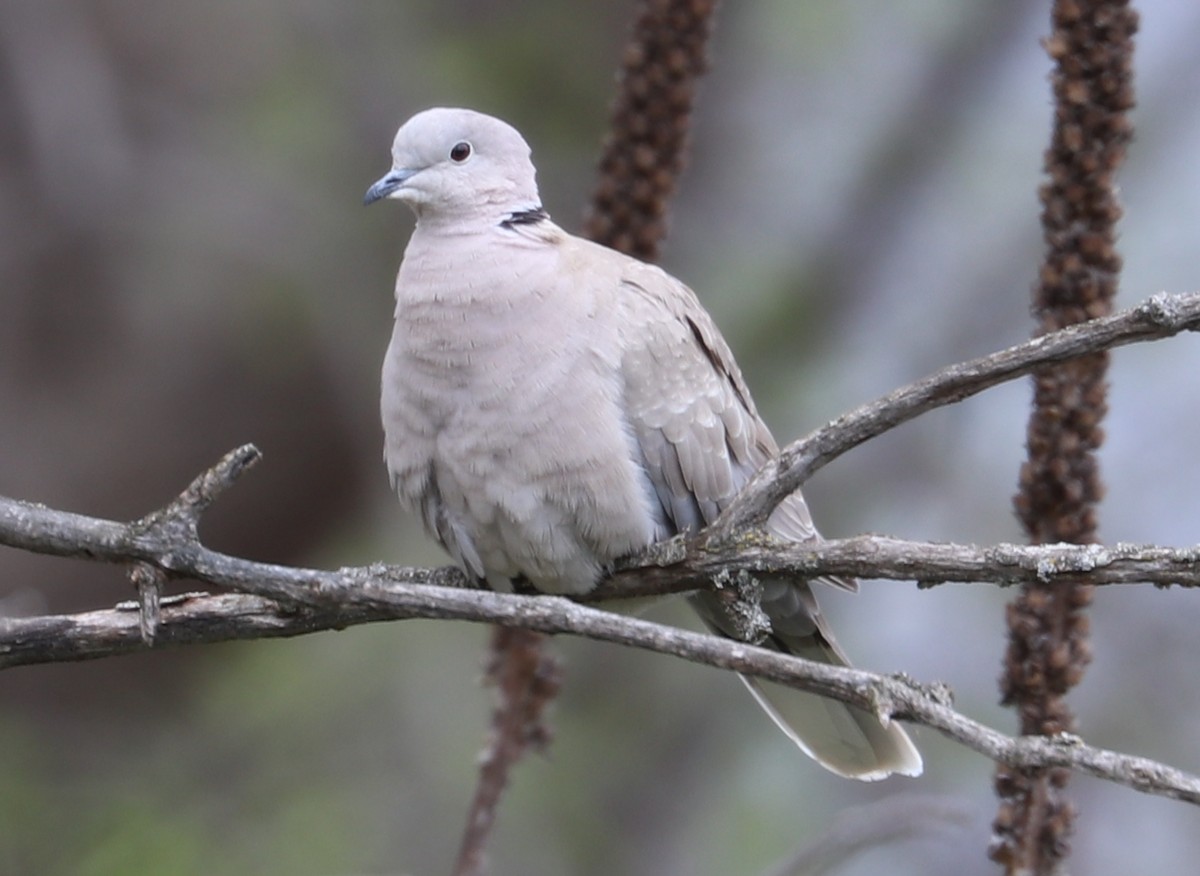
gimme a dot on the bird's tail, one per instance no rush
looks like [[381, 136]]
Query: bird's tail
[[846, 740]]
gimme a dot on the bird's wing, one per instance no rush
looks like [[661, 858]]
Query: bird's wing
[[690, 409]]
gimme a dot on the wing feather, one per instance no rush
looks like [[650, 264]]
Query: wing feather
[[699, 433]]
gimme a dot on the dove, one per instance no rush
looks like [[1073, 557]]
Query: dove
[[551, 406]]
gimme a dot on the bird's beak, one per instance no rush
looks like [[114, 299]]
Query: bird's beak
[[386, 185]]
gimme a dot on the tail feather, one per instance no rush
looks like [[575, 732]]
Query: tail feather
[[846, 740]]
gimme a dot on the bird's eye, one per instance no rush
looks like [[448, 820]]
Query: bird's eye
[[460, 152]]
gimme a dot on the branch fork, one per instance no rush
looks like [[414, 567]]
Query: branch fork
[[275, 601]]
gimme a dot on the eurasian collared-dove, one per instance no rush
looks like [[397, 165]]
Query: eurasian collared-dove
[[551, 405]]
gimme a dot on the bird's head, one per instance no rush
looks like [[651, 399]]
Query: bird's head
[[448, 162]]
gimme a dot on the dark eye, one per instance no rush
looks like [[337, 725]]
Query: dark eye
[[461, 151]]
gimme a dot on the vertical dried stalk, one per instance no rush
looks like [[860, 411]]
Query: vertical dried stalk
[[1092, 48], [644, 151], [526, 679], [642, 157]]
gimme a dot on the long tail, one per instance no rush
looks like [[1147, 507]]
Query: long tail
[[844, 739]]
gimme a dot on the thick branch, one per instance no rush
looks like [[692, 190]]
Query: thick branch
[[676, 566], [288, 601], [357, 598], [1160, 316]]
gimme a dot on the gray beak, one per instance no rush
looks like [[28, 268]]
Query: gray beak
[[386, 185]]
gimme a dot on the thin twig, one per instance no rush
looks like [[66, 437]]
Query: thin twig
[[149, 582], [873, 825]]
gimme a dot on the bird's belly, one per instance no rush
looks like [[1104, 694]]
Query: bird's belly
[[531, 471], [518, 522]]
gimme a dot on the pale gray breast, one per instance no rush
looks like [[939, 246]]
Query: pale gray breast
[[504, 421]]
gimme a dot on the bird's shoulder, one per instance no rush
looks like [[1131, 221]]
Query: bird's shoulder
[[663, 313]]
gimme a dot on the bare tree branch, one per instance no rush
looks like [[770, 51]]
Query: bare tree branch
[[275, 601], [316, 596], [348, 597], [1160, 316], [675, 566]]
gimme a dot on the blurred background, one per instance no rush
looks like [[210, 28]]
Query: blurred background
[[185, 266]]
